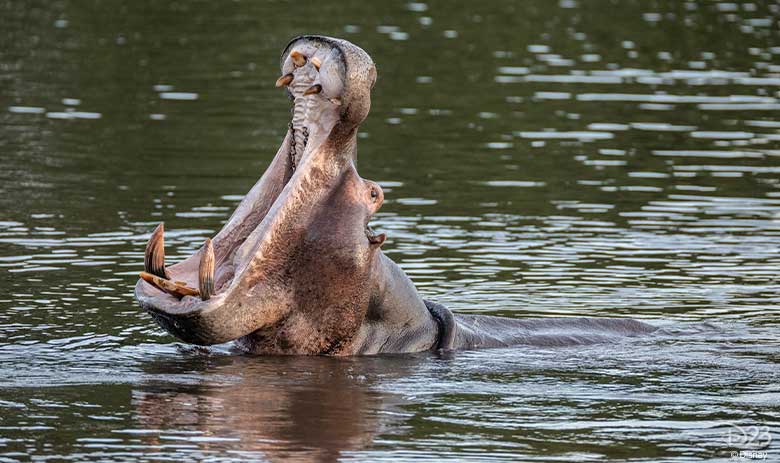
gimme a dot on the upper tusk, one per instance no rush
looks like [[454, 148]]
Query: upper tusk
[[316, 88], [284, 80], [206, 271], [154, 255], [297, 58]]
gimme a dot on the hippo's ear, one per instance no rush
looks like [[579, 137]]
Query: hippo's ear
[[377, 240]]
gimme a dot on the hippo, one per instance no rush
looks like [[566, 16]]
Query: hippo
[[297, 269]]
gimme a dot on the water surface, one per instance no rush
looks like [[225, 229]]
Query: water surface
[[538, 159]]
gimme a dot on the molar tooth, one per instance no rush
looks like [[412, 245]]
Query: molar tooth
[[175, 289], [284, 80], [297, 58], [316, 62], [206, 271], [335, 101], [154, 256], [316, 88]]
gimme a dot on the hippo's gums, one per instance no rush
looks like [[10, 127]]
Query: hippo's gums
[[297, 270]]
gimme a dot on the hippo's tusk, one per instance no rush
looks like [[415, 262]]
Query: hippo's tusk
[[316, 88], [206, 271], [154, 255], [176, 289], [316, 62], [297, 58], [284, 80]]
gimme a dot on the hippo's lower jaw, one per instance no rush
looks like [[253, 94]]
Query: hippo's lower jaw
[[297, 269]]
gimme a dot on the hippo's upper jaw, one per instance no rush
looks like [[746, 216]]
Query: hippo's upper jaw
[[294, 262]]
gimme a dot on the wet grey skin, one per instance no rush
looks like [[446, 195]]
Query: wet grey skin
[[297, 270]]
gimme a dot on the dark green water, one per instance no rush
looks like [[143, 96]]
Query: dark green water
[[538, 158]]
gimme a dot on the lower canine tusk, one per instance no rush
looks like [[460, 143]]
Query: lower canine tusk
[[178, 290], [316, 88], [154, 255], [206, 271]]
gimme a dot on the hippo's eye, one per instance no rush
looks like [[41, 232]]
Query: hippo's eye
[[374, 194]]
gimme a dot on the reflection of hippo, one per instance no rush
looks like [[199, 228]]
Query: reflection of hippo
[[297, 270], [271, 409]]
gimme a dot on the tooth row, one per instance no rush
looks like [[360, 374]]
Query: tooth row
[[300, 111], [155, 273], [299, 115]]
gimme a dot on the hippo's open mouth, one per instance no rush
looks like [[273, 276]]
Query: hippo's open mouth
[[308, 212]]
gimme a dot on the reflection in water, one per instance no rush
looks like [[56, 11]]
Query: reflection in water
[[539, 159], [302, 409]]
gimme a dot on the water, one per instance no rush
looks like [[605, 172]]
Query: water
[[538, 159]]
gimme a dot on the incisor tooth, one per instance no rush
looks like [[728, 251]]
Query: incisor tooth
[[284, 80], [206, 271], [174, 289], [297, 58], [316, 62], [316, 88], [154, 256]]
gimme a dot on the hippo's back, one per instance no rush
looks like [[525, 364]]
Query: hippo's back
[[475, 331]]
